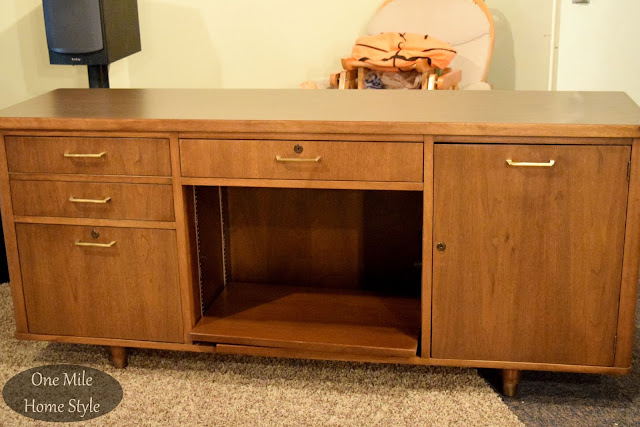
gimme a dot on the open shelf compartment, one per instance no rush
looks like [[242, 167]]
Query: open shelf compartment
[[316, 270]]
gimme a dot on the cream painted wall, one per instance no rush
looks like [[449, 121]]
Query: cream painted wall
[[521, 54], [24, 67], [195, 43], [242, 43], [598, 46], [280, 43]]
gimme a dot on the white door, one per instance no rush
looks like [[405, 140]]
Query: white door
[[522, 50], [598, 46]]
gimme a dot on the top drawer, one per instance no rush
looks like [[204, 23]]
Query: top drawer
[[93, 156], [317, 160]]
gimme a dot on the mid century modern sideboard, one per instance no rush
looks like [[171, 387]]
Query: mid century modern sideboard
[[483, 229]]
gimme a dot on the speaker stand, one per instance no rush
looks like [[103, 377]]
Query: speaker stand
[[98, 76]]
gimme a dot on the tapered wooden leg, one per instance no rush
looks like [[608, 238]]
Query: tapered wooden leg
[[510, 379], [119, 357]]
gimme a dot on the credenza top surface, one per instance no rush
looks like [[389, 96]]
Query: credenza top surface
[[184, 110]]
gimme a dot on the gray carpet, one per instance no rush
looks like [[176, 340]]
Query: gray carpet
[[175, 388], [563, 399]]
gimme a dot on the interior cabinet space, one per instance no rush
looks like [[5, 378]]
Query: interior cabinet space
[[529, 255], [101, 282], [320, 270]]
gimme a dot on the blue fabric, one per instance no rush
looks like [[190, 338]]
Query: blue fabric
[[372, 81]]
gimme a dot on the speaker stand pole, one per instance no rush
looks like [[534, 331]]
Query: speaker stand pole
[[98, 76]]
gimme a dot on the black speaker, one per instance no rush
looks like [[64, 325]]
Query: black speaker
[[91, 32]]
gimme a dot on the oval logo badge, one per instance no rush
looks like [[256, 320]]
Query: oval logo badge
[[62, 393]]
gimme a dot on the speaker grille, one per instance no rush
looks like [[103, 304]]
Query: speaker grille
[[73, 26]]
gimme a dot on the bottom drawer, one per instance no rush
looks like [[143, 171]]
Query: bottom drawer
[[101, 282]]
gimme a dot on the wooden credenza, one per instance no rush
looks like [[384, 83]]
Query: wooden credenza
[[484, 229]]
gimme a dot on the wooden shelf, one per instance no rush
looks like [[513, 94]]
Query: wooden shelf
[[314, 319]]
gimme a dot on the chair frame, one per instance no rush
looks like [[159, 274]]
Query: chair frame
[[354, 71]]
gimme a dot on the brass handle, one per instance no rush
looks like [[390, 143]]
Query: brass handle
[[96, 245], [532, 164], [97, 201], [289, 159], [80, 155]]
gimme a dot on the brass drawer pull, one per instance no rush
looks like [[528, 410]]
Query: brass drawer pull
[[540, 165], [90, 156], [97, 201], [96, 245], [289, 159]]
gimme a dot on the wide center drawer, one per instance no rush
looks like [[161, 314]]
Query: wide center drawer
[[94, 156], [317, 160], [93, 200]]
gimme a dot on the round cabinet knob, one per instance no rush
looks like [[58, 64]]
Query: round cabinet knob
[[441, 246]]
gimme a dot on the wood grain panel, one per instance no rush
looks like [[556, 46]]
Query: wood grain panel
[[127, 291], [339, 160], [312, 319], [427, 249], [124, 156], [525, 128], [317, 355], [304, 183], [532, 266], [211, 248], [122, 223], [303, 136], [187, 244], [127, 201], [629, 291], [198, 348], [326, 238], [537, 140], [128, 179], [534, 113], [11, 245], [525, 366], [90, 134]]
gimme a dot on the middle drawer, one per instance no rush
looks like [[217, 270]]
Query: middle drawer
[[152, 202], [313, 160]]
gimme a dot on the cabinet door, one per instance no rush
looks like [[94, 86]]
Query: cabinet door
[[128, 290], [533, 260]]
